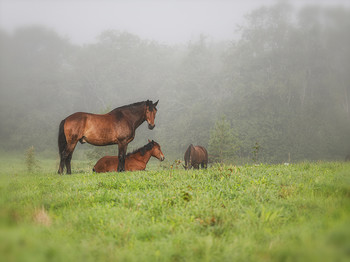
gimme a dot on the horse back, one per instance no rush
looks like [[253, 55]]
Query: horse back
[[106, 164], [201, 154], [86, 120], [110, 164]]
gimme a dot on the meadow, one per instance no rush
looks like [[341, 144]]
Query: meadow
[[296, 212]]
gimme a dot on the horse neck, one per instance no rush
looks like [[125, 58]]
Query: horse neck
[[145, 158], [137, 113]]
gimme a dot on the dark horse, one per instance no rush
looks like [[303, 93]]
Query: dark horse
[[115, 127], [195, 156], [136, 160]]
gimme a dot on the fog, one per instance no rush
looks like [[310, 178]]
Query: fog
[[164, 21], [266, 73], [167, 22]]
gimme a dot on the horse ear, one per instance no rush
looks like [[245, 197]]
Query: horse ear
[[156, 103]]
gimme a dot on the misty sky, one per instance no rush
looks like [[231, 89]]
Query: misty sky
[[166, 21]]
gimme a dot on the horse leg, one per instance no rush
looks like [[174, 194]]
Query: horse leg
[[61, 167], [67, 155], [68, 166], [63, 161], [121, 157], [62, 144], [63, 157]]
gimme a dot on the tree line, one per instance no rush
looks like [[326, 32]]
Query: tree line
[[279, 92]]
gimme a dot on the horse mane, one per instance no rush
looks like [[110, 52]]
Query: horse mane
[[130, 106], [143, 149], [148, 103]]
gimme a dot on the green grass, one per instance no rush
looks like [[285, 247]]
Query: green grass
[[299, 212]]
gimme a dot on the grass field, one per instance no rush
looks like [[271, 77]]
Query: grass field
[[299, 212]]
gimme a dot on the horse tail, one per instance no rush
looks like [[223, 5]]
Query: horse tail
[[62, 141]]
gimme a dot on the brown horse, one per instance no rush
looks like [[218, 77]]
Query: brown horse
[[195, 156], [136, 160], [115, 127]]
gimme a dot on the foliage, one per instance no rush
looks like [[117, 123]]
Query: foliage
[[298, 212], [283, 82], [223, 143], [280, 74], [31, 162], [256, 150]]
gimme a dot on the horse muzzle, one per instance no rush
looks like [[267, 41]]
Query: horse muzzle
[[151, 126], [162, 158]]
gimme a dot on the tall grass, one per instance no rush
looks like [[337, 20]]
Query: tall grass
[[299, 212]]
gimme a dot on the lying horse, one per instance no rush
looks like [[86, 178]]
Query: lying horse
[[136, 160], [115, 127], [195, 156]]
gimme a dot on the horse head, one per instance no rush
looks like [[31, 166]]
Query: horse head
[[156, 151], [151, 111]]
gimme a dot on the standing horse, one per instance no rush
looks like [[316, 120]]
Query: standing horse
[[136, 160], [115, 127], [195, 156]]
